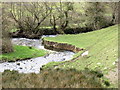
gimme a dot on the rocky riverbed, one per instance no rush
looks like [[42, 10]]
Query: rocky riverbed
[[33, 65]]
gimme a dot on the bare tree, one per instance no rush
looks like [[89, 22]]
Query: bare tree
[[29, 16], [6, 42], [60, 20]]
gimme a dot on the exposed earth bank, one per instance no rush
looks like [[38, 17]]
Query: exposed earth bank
[[60, 46]]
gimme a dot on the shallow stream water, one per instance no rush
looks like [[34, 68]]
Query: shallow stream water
[[33, 65]]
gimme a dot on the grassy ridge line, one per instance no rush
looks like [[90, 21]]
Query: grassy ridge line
[[22, 52], [101, 44]]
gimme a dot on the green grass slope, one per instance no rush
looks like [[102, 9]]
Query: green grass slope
[[22, 52], [101, 44]]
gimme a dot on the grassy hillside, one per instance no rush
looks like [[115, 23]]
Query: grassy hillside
[[101, 44]]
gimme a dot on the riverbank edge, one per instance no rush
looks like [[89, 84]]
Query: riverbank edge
[[2, 59], [60, 46]]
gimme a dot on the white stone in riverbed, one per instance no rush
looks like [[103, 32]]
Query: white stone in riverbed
[[36, 72], [11, 69]]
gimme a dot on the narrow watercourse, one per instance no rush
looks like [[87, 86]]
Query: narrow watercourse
[[33, 65]]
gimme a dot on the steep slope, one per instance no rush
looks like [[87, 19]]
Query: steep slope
[[101, 44]]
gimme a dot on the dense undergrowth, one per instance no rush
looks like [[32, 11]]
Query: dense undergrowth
[[55, 78]]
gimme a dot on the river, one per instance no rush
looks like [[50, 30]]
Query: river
[[33, 65]]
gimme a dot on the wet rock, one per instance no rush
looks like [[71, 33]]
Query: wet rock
[[18, 63], [41, 69], [10, 61], [63, 59], [20, 68]]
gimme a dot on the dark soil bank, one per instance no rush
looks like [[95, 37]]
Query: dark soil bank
[[60, 46]]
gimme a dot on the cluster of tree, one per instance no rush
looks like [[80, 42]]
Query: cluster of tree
[[29, 17], [101, 14]]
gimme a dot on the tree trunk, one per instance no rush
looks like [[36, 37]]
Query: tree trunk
[[6, 42]]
